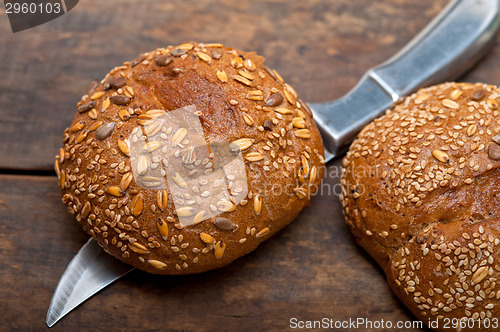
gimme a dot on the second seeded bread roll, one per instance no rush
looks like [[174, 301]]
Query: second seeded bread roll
[[188, 157], [421, 194]]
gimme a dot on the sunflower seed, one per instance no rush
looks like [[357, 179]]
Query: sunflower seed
[[224, 224], [86, 107], [105, 131], [274, 100], [92, 86], [268, 125], [176, 71], [216, 54], [107, 83], [162, 228], [270, 72], [178, 52], [138, 60], [478, 95], [496, 139], [120, 100], [494, 151], [163, 60], [118, 82]]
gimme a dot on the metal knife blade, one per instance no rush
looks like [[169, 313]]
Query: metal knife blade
[[446, 48], [454, 41], [89, 271]]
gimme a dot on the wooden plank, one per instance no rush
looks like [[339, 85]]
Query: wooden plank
[[321, 47], [310, 270]]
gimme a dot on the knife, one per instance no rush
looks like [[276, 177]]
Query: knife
[[448, 46]]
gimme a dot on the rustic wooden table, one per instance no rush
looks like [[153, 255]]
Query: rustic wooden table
[[310, 270]]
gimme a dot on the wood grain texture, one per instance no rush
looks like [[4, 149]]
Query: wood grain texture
[[321, 47], [310, 270]]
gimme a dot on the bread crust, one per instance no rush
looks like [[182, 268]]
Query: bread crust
[[421, 195], [235, 96]]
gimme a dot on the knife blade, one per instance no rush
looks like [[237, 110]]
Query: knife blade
[[448, 46], [89, 271]]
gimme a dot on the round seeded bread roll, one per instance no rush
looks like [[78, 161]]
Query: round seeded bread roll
[[188, 157], [421, 194]]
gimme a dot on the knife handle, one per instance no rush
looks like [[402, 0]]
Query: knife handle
[[449, 45]]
